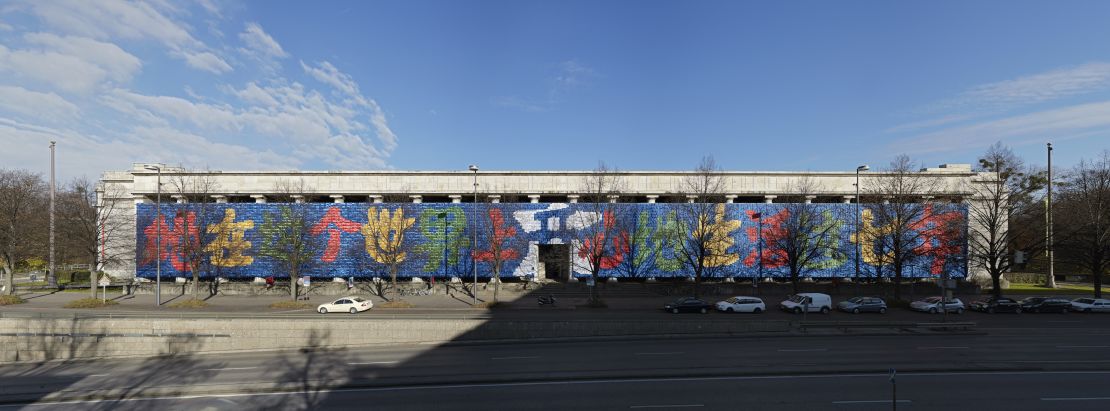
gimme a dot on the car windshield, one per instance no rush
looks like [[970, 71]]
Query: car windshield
[[932, 300], [1032, 300], [733, 300], [797, 298], [1084, 300], [359, 299], [856, 300]]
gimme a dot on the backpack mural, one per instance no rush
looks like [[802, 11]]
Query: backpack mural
[[362, 240]]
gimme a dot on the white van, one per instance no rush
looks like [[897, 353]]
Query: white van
[[815, 302]]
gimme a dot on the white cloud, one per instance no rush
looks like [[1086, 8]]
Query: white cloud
[[51, 69], [326, 73], [120, 65], [205, 61], [6, 27], [260, 43], [45, 106]]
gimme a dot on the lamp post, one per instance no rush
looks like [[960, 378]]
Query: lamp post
[[443, 215], [759, 217], [52, 276], [1051, 280], [858, 169], [158, 238], [474, 234]]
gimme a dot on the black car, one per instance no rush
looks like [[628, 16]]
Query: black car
[[687, 305], [1045, 305], [997, 305]]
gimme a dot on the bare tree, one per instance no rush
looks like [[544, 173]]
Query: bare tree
[[642, 240], [1007, 189], [701, 233], [287, 232], [385, 233], [803, 237], [1084, 203], [597, 240], [22, 201], [901, 190], [503, 241], [192, 220], [95, 224]]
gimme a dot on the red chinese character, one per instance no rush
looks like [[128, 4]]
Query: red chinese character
[[773, 232], [596, 245], [501, 233], [335, 224], [173, 240], [940, 235]]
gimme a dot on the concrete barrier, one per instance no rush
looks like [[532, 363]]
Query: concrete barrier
[[34, 339]]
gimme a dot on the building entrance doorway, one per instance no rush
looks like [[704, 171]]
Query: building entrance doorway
[[554, 261]]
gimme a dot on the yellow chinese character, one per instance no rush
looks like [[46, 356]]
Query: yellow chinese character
[[228, 246]]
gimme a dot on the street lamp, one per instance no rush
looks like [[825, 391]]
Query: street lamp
[[858, 170], [52, 277], [158, 236], [443, 215], [474, 234]]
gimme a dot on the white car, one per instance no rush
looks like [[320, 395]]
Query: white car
[[935, 305], [1091, 305], [741, 304], [351, 305], [809, 302]]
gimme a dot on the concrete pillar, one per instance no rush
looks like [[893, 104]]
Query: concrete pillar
[[259, 198], [141, 200], [336, 198], [848, 199], [494, 198], [731, 198], [769, 198], [298, 198], [455, 198], [691, 198], [533, 198], [376, 199], [613, 198], [886, 199], [809, 199], [927, 199], [181, 199], [417, 199], [651, 198], [220, 198], [572, 198]]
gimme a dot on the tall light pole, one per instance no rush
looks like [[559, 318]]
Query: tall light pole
[[443, 215], [474, 234], [51, 277], [158, 235], [1051, 280], [858, 242]]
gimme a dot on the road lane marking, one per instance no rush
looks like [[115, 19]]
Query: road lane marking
[[804, 350], [230, 369], [99, 375], [1077, 399], [515, 358], [1083, 346], [372, 363], [869, 402], [942, 348], [660, 353], [668, 406], [1051, 361]]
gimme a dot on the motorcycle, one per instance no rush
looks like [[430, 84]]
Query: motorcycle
[[548, 300]]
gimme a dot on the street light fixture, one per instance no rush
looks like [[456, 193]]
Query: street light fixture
[[158, 236], [858, 242], [474, 234]]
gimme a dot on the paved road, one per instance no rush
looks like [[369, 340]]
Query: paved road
[[712, 373]]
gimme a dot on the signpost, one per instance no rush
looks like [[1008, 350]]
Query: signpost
[[104, 282]]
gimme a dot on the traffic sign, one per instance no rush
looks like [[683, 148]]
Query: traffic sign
[[104, 281]]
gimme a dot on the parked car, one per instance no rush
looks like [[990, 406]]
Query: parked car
[[996, 305], [687, 304], [742, 304], [1045, 305], [856, 305], [815, 302], [935, 305], [1091, 305], [351, 305]]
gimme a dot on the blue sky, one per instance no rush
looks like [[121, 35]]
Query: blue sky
[[518, 85]]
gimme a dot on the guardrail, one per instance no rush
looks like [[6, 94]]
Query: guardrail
[[844, 325]]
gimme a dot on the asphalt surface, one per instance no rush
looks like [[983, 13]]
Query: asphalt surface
[[1026, 364]]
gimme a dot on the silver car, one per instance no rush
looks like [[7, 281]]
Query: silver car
[[935, 305]]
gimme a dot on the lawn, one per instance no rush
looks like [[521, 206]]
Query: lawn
[[1061, 289]]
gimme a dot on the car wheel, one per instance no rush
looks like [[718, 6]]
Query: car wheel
[[933, 310], [959, 311], [323, 310], [882, 310], [703, 311], [824, 310], [730, 309], [990, 310], [855, 311], [757, 310], [797, 310], [354, 311], [674, 311], [1017, 310]]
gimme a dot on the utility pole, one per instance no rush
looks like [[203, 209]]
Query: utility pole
[[158, 237], [858, 242], [1050, 282], [474, 233], [51, 277]]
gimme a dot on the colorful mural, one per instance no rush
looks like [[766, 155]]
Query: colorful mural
[[362, 240]]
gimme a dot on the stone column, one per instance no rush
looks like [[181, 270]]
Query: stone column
[[336, 198], [848, 199], [886, 199], [298, 198], [690, 198], [494, 198], [376, 199], [417, 199], [455, 198], [731, 198], [613, 198], [220, 198], [181, 199], [809, 199], [651, 198], [142, 200], [259, 198], [533, 198], [572, 198], [927, 198], [769, 198]]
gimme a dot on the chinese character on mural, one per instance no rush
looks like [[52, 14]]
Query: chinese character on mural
[[228, 246], [335, 224], [176, 242]]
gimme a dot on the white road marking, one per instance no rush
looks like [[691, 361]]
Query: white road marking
[[1077, 399], [99, 375], [659, 353], [869, 402], [372, 363], [668, 406], [515, 358], [1054, 361], [230, 369], [942, 348], [804, 350], [1083, 346]]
